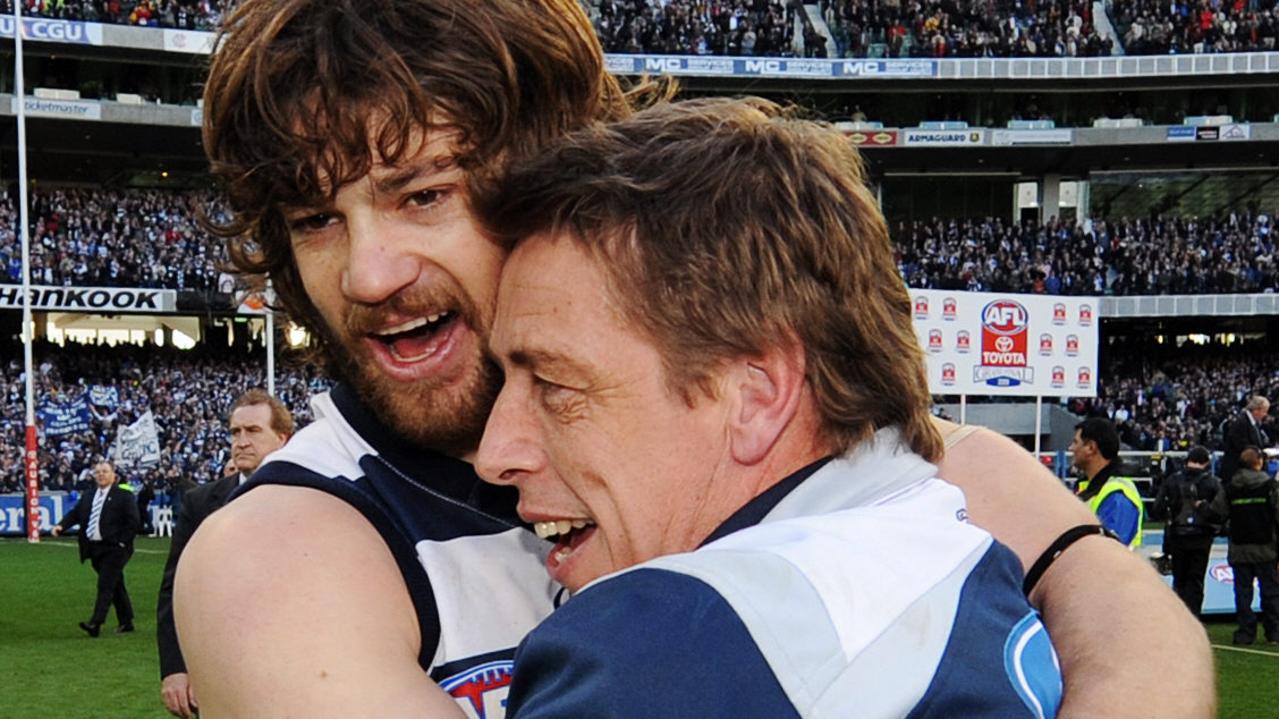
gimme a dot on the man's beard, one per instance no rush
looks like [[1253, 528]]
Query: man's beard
[[446, 419]]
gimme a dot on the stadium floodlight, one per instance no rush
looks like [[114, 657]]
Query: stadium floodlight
[[31, 462]]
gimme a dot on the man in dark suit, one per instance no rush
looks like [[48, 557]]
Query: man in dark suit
[[108, 519], [1242, 431], [259, 425]]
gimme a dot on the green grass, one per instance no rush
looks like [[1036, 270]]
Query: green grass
[[49, 668]]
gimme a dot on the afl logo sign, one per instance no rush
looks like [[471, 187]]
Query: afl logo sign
[[921, 308], [481, 691], [1004, 339], [1058, 377], [963, 342], [1085, 378], [1072, 346], [1222, 573], [949, 308], [1085, 315], [934, 341]]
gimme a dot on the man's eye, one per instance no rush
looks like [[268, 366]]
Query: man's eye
[[426, 198], [311, 223], [556, 397]]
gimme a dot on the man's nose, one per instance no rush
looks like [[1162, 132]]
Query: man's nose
[[509, 449], [378, 263]]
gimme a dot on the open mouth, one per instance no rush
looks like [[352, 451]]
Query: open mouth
[[417, 339], [568, 535]]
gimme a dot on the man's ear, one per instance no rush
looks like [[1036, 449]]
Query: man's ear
[[767, 391]]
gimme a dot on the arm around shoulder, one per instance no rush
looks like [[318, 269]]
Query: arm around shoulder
[[1103, 652], [289, 603]]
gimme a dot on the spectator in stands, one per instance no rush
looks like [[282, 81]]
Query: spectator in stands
[[1111, 496], [1250, 500], [1183, 501], [1241, 432], [108, 520], [259, 424]]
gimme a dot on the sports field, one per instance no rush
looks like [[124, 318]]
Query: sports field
[[49, 668]]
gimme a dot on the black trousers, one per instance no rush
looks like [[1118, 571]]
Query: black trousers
[[108, 560], [1189, 562], [1267, 575]]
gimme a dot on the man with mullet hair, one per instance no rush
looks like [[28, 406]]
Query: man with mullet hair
[[371, 561]]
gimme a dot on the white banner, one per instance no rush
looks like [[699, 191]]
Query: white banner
[[189, 41], [1030, 137], [107, 300], [982, 343], [138, 444]]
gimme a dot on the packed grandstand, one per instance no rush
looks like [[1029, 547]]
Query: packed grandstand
[[840, 28], [1168, 383]]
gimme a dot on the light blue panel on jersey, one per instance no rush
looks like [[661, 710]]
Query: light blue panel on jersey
[[1032, 667]]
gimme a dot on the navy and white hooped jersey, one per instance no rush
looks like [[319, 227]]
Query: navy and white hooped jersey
[[476, 576], [855, 588]]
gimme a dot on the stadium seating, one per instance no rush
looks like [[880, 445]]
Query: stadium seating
[[188, 392], [1235, 253], [115, 238]]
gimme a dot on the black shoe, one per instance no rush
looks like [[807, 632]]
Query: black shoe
[[92, 630], [124, 628], [1242, 642]]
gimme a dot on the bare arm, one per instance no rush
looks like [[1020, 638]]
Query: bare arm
[[1106, 609], [288, 603]]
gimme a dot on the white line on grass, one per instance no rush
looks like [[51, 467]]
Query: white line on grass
[[1246, 651], [69, 544]]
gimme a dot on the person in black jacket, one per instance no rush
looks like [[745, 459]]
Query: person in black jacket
[[259, 425], [1241, 432], [1182, 500], [1250, 500], [108, 519]]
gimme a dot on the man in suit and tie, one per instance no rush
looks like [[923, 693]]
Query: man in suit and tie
[[108, 519], [259, 425], [1243, 431]]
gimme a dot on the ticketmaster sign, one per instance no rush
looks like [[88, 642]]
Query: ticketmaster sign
[[106, 300], [63, 109]]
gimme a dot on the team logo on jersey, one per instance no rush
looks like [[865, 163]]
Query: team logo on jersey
[[963, 342], [1058, 377], [1072, 346], [1059, 314], [921, 308], [1085, 378], [1004, 329], [1032, 667], [1085, 315], [949, 308], [1045, 345], [934, 341], [948, 375], [481, 691]]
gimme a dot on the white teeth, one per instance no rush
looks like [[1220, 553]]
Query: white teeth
[[410, 325], [546, 530], [562, 555]]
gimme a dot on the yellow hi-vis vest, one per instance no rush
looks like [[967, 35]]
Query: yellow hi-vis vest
[[1119, 484]]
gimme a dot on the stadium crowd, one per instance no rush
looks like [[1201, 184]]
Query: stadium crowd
[[928, 28], [697, 27], [914, 28], [187, 393], [1180, 399], [183, 14], [1160, 27], [1228, 254], [115, 238]]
